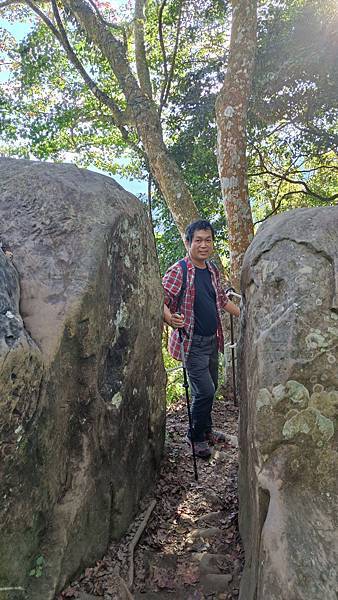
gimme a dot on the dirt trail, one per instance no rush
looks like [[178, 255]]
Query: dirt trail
[[190, 548]]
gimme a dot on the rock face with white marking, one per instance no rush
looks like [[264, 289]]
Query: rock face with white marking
[[82, 380], [289, 407]]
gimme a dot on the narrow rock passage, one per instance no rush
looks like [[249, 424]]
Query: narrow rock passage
[[190, 548]]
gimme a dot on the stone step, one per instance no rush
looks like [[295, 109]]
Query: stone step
[[178, 576]]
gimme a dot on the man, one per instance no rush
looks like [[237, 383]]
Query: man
[[200, 321]]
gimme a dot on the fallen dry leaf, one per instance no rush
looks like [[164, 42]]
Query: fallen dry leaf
[[163, 561]]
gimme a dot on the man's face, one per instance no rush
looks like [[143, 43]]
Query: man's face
[[201, 246]]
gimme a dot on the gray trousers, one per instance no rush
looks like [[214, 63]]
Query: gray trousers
[[202, 369]]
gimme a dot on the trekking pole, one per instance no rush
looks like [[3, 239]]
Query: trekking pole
[[186, 387], [231, 292], [232, 346]]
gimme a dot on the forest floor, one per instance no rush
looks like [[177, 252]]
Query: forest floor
[[190, 548]]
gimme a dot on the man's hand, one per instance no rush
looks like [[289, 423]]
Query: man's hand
[[174, 320], [177, 320], [232, 308]]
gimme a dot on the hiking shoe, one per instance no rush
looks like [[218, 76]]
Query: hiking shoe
[[215, 437], [202, 449]]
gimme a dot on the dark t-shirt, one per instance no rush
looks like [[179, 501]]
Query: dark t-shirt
[[205, 310]]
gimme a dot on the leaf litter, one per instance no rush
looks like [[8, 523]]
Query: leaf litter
[[190, 548]]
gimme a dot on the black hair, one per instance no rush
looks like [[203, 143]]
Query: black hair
[[197, 226]]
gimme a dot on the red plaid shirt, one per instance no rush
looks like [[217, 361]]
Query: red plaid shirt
[[172, 284]]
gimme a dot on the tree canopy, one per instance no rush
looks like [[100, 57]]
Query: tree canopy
[[51, 112]]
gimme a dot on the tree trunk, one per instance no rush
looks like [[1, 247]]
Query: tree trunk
[[231, 116], [143, 115], [164, 168]]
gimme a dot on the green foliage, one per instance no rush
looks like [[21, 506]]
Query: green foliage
[[174, 375], [37, 571], [296, 72], [293, 113], [50, 114], [53, 115]]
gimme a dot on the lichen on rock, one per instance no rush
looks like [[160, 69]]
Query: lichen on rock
[[309, 422], [288, 354], [326, 402], [297, 393]]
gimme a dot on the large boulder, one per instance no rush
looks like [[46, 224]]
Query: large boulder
[[288, 363], [82, 413]]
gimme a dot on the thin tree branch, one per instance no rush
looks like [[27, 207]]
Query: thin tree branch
[[111, 48], [172, 67], [114, 52], [108, 23], [150, 199], [142, 110], [131, 143], [279, 127], [135, 541], [61, 36], [319, 168], [114, 46], [284, 177], [276, 208], [9, 2], [125, 38], [275, 198], [331, 138], [306, 190], [164, 54], [45, 19], [140, 50], [118, 115], [93, 4]]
